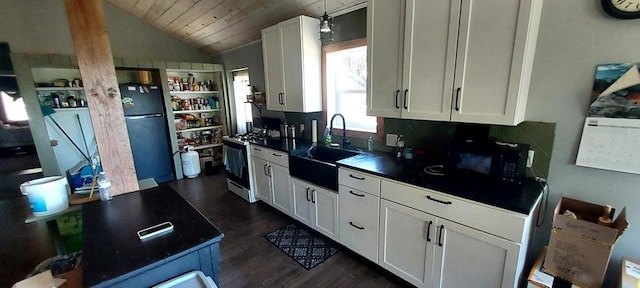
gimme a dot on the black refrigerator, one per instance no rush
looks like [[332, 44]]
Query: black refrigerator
[[144, 113]]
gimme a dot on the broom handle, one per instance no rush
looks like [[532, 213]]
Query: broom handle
[[69, 137]]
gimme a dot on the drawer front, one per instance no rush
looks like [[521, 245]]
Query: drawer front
[[358, 180], [359, 214], [502, 223], [273, 156]]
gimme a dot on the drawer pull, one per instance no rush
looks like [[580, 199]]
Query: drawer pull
[[356, 177], [354, 225], [257, 149], [356, 194], [439, 201], [440, 236], [277, 155]]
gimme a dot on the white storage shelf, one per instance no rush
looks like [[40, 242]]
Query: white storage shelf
[[56, 89], [200, 128], [195, 111], [207, 146], [193, 92]]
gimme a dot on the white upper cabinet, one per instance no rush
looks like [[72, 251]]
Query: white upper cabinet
[[291, 51], [451, 60]]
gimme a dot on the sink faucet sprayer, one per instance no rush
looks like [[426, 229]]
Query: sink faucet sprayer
[[345, 141]]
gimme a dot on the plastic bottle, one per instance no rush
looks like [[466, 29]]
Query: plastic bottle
[[104, 186], [327, 135], [370, 143]]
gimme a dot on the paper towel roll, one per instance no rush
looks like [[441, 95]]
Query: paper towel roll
[[314, 131]]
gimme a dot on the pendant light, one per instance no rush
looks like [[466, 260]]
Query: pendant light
[[326, 34]]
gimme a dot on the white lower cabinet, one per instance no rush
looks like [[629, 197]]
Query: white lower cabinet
[[271, 178], [316, 207], [359, 221], [428, 251], [261, 179], [280, 187], [484, 260], [407, 242]]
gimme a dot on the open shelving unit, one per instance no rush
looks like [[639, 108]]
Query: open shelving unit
[[198, 115]]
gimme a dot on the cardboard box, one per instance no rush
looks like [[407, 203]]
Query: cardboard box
[[579, 249], [630, 274]]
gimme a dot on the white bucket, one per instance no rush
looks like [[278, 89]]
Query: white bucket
[[46, 195]]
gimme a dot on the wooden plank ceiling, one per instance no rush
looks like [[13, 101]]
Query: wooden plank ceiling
[[216, 26]]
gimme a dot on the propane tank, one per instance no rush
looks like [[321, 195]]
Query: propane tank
[[190, 162]]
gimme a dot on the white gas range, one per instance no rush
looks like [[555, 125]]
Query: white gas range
[[239, 172]]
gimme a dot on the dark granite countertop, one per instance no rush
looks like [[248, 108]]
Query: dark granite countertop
[[283, 144], [517, 198]]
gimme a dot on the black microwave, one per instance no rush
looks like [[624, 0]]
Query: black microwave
[[489, 159]]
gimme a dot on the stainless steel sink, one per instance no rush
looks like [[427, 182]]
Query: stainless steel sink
[[317, 165]]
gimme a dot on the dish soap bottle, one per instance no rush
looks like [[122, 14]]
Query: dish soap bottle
[[370, 143], [327, 135]]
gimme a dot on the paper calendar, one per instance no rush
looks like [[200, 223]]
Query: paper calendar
[[610, 143]]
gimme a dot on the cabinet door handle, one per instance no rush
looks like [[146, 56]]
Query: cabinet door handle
[[280, 98], [439, 201], [264, 168], [428, 237], [354, 225], [313, 196], [277, 155], [458, 98], [405, 99], [440, 235], [308, 200], [397, 94], [269, 171], [356, 177], [356, 194]]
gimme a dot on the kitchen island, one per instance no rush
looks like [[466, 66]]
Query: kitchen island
[[114, 256]]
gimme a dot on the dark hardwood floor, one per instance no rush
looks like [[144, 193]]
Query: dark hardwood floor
[[248, 259]]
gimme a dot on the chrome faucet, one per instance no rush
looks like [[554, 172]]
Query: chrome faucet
[[345, 141]]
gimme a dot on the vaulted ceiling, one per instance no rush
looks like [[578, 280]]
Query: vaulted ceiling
[[219, 25]]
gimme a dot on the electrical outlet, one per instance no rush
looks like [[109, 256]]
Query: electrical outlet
[[530, 158], [392, 140]]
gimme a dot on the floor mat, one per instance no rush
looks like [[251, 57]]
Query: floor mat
[[303, 245]]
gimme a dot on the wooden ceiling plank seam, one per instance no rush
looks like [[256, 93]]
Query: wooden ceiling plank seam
[[239, 38], [215, 15], [158, 8], [258, 21], [172, 13], [250, 12], [190, 15], [142, 7]]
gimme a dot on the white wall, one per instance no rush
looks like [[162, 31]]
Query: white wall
[[41, 27], [574, 37]]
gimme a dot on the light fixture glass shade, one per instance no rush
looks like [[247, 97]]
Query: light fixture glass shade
[[325, 26]]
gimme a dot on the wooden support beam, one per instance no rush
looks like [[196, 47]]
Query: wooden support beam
[[93, 50]]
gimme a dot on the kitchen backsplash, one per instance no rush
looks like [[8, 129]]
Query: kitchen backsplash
[[434, 136]]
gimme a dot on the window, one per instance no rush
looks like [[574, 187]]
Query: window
[[345, 78], [14, 109], [242, 88]]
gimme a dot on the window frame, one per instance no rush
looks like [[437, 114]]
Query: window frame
[[333, 47]]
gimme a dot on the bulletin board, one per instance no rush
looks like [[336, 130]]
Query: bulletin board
[[611, 133]]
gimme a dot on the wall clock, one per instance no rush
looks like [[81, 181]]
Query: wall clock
[[623, 9]]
